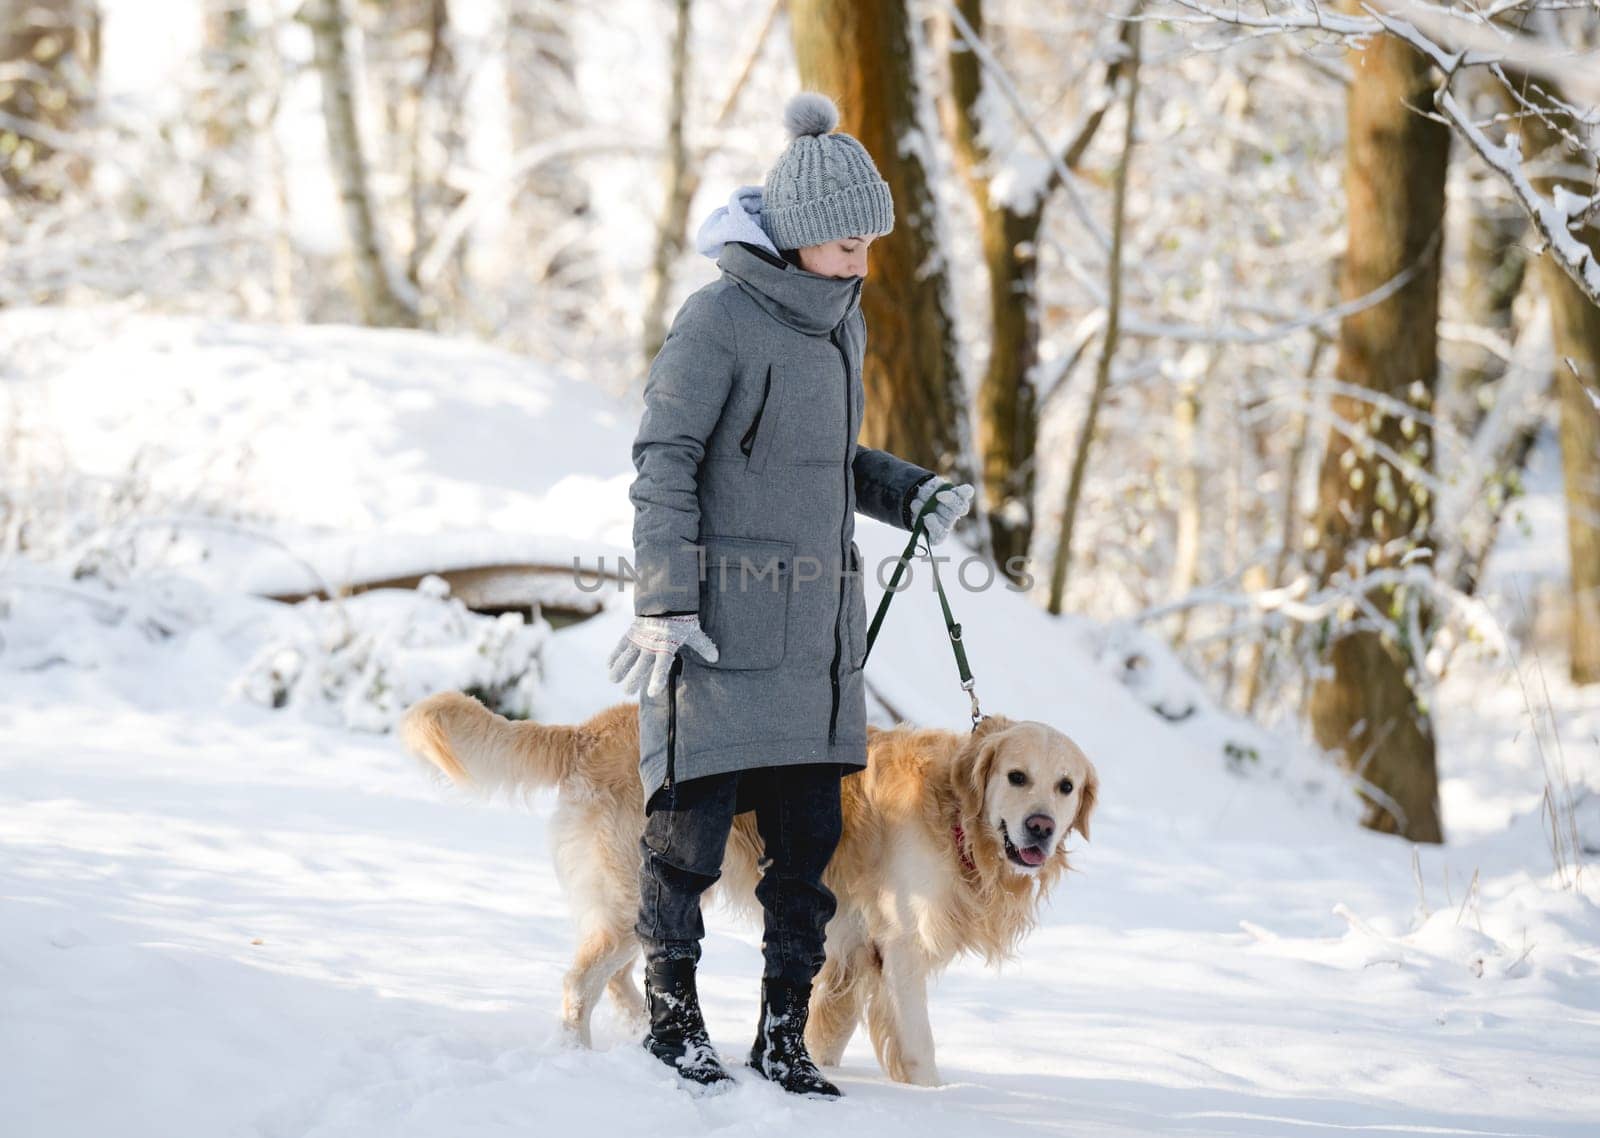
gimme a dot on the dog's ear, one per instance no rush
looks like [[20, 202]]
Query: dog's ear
[[1088, 796], [972, 783]]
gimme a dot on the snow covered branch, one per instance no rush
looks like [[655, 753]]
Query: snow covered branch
[[1002, 81], [1477, 43]]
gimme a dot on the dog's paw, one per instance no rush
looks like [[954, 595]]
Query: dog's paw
[[575, 1036], [918, 1075]]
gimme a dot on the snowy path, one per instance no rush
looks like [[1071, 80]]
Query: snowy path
[[276, 929]]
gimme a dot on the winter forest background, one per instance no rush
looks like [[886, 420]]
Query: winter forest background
[[1270, 333]]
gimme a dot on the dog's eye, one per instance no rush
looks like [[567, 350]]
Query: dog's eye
[[1017, 778], [1065, 787]]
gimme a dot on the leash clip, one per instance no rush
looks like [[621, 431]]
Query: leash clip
[[972, 694]]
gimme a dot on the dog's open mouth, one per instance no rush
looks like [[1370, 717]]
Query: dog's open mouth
[[1029, 857]]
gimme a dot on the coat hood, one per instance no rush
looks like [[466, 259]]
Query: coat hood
[[733, 236], [739, 220]]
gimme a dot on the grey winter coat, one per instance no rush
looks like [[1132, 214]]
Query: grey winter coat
[[748, 464]]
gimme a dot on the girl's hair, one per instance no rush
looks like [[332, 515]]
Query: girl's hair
[[792, 256]]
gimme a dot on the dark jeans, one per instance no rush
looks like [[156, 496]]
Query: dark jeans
[[686, 834]]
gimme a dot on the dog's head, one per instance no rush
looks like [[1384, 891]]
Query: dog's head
[[1028, 784]]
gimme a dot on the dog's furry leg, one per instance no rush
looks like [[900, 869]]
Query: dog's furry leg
[[881, 1028], [626, 995], [836, 1004], [600, 956], [897, 1017]]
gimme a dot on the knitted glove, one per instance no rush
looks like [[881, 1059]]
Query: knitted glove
[[648, 647], [952, 502]]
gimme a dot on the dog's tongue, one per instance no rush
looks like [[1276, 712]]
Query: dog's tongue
[[1033, 855]]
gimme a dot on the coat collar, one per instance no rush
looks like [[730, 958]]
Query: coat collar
[[806, 301]]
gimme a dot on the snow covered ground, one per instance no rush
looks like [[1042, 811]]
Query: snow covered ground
[[224, 919]]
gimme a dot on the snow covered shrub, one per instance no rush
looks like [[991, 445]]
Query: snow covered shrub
[[1160, 680], [49, 619], [129, 519], [361, 661], [1148, 667]]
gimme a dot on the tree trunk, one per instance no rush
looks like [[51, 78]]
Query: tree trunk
[[1190, 494], [1496, 266], [1108, 346], [1575, 323], [274, 196], [1008, 400], [543, 96], [675, 217], [1371, 514], [379, 292], [543, 99], [410, 62], [863, 56], [1495, 276], [1257, 660], [556, 270], [227, 40], [438, 142], [1577, 336], [49, 60]]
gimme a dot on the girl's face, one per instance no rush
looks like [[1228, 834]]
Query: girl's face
[[846, 257]]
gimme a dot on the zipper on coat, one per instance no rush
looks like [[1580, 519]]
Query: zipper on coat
[[672, 720], [833, 713], [747, 441]]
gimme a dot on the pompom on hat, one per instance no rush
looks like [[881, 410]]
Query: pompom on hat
[[825, 185]]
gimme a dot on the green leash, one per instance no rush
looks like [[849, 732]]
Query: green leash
[[919, 529]]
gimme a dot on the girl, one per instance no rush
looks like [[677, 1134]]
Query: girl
[[748, 469]]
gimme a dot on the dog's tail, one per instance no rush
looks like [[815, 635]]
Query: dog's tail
[[486, 752]]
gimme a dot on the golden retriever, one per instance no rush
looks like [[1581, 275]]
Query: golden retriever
[[951, 842]]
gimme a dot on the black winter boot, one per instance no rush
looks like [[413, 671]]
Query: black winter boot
[[780, 1052], [677, 1029]]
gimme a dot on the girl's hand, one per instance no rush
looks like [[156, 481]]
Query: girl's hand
[[950, 503], [647, 649]]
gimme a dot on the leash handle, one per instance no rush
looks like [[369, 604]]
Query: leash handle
[[919, 529]]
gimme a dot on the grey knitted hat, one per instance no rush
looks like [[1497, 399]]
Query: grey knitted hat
[[824, 186]]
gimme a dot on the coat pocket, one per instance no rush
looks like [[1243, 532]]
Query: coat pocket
[[856, 605], [744, 600], [756, 442]]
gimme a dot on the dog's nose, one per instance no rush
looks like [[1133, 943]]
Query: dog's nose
[[1039, 826]]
